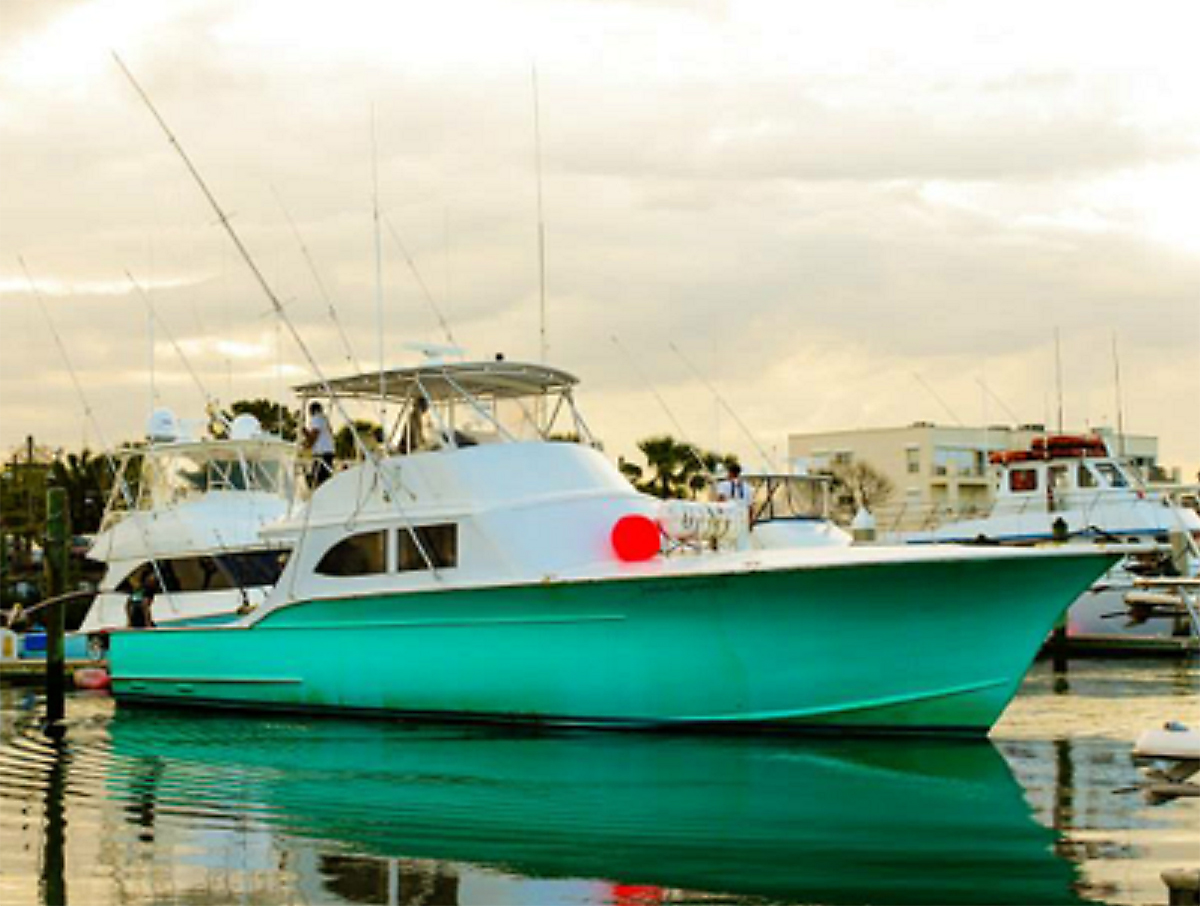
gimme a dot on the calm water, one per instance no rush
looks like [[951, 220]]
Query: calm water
[[142, 806]]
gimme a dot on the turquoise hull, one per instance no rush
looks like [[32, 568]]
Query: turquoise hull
[[908, 646]]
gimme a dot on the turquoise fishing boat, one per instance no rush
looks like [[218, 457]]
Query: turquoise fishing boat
[[481, 570]]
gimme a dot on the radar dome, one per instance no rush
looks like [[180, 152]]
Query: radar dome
[[245, 427], [162, 426]]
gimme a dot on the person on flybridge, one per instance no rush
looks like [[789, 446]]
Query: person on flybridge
[[318, 437]]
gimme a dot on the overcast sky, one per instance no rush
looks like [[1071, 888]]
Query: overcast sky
[[844, 215]]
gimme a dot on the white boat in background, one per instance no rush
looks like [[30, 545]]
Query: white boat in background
[[191, 510], [789, 510], [1071, 490]]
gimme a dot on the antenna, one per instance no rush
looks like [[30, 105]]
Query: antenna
[[1120, 407], [150, 352], [378, 273], [933, 393], [541, 224], [736, 418], [1058, 381]]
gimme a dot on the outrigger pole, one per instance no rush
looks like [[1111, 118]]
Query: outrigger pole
[[312, 268], [119, 482], [641, 375], [767, 458], [367, 454]]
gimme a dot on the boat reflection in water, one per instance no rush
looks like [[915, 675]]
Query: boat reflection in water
[[623, 816]]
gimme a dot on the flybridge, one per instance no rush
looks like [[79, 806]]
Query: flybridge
[[459, 404]]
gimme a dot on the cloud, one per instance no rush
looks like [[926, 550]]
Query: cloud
[[812, 209]]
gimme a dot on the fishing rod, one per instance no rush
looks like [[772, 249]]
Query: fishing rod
[[210, 401], [767, 458], [367, 454], [120, 483], [420, 282], [312, 269], [667, 409]]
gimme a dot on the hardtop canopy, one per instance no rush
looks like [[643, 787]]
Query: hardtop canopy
[[447, 382]]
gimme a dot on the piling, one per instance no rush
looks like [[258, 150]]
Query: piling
[[57, 539]]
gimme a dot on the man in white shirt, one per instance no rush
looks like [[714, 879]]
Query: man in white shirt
[[318, 437], [733, 487]]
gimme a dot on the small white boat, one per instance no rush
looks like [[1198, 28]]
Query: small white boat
[[191, 511], [1070, 490]]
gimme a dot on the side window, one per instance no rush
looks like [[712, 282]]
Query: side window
[[439, 541], [1086, 478], [363, 554], [1022, 480]]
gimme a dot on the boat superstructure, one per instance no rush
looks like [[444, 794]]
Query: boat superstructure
[[489, 565], [1067, 487], [191, 511], [1071, 490]]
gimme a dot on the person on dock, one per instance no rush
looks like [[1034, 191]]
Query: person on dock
[[318, 437]]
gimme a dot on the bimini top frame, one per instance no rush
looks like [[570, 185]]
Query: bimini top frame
[[465, 402]]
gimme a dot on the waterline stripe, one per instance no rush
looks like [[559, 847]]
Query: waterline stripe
[[425, 624], [242, 680], [865, 705]]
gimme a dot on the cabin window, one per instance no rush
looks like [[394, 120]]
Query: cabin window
[[1086, 478], [1112, 474], [1059, 478], [439, 541], [224, 571], [1021, 480], [363, 554]]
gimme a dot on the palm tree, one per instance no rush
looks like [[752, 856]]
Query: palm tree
[[677, 469], [87, 480]]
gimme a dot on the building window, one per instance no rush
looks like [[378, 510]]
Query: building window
[[439, 541], [843, 457], [912, 458], [364, 554]]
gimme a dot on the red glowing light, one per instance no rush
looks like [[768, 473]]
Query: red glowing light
[[635, 538]]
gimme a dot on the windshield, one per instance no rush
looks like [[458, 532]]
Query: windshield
[[789, 497]]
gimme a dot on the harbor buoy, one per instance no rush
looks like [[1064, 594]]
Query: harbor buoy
[[92, 678], [636, 538]]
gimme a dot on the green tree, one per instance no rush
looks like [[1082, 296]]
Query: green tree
[[87, 480], [674, 469], [859, 484]]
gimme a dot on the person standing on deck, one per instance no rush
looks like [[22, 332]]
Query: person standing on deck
[[734, 489], [318, 437]]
